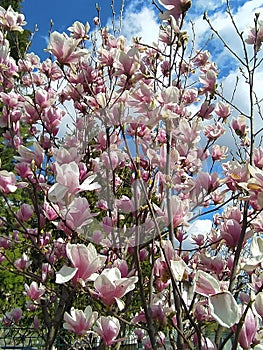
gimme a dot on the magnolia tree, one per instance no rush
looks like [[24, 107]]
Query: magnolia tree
[[102, 237]]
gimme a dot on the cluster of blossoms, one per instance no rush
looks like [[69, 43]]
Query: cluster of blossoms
[[107, 207]]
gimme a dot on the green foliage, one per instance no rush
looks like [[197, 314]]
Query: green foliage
[[16, 4], [11, 285], [18, 41]]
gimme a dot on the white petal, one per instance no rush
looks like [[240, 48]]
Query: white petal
[[65, 274], [224, 309], [178, 268]]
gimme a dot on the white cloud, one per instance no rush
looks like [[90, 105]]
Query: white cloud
[[207, 5], [198, 227], [243, 17], [143, 23]]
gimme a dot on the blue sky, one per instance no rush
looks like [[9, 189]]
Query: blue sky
[[141, 19], [63, 13]]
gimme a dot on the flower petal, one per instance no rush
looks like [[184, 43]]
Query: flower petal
[[224, 309], [65, 274]]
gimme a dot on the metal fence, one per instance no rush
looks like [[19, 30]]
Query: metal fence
[[20, 338], [27, 339]]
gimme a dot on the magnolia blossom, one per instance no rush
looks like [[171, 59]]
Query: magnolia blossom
[[78, 30], [255, 186], [213, 132], [23, 262], [240, 125], [206, 110], [7, 182], [248, 330], [25, 212], [85, 260], [255, 35], [179, 210], [27, 155], [230, 231], [108, 329], [205, 284], [258, 157], [65, 48], [35, 292], [77, 214], [209, 81], [13, 316], [78, 321], [223, 110], [219, 152], [67, 182], [259, 304], [174, 8], [11, 20], [111, 286], [126, 63]]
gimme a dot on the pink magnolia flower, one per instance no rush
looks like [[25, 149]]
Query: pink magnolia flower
[[28, 155], [248, 330], [44, 98], [240, 125], [78, 321], [46, 270], [125, 204], [258, 157], [77, 214], [85, 260], [254, 186], [161, 273], [126, 63], [28, 62], [11, 20], [11, 99], [36, 322], [51, 69], [259, 304], [206, 110], [214, 131], [67, 177], [219, 152], [34, 292], [23, 262], [230, 231], [255, 35], [65, 49], [189, 133], [201, 58], [66, 155], [108, 329], [13, 316], [50, 211], [7, 182], [209, 81], [25, 212], [235, 173], [111, 286], [223, 110], [202, 311], [122, 265], [174, 8], [78, 30], [205, 284], [180, 209]]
